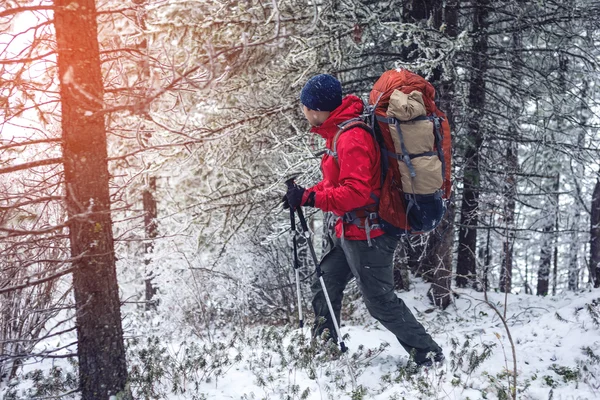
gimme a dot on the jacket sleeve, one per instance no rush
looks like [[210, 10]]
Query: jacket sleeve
[[318, 187], [357, 161]]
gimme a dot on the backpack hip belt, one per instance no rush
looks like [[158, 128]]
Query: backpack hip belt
[[364, 219]]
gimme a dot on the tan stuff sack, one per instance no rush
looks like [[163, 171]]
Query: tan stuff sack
[[421, 167]]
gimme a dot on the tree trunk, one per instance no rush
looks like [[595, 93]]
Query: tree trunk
[[148, 199], [414, 253], [102, 368], [467, 237], [577, 171], [573, 282], [440, 246], [439, 259], [510, 194], [548, 241], [555, 271], [510, 183], [595, 236], [528, 289], [433, 260], [401, 271], [150, 214], [486, 255]]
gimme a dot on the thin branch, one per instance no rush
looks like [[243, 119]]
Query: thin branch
[[29, 283], [30, 142], [17, 10], [33, 164]]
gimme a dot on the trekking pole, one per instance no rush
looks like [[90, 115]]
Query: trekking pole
[[343, 347], [307, 235], [296, 265]]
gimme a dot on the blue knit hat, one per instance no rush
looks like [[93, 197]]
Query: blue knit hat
[[322, 93]]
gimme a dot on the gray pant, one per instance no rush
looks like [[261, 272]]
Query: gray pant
[[373, 269]]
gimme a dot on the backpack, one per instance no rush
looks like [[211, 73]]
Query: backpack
[[413, 136]]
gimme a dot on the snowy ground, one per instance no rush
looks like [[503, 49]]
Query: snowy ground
[[548, 334], [557, 345]]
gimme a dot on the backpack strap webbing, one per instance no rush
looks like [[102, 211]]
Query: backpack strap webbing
[[368, 215], [346, 126]]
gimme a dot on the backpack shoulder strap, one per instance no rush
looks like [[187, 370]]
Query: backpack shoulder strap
[[346, 126]]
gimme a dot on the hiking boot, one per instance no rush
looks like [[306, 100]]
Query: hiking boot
[[438, 359]]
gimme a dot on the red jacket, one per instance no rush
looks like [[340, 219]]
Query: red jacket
[[349, 182]]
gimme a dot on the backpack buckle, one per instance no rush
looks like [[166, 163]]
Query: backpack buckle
[[349, 217]]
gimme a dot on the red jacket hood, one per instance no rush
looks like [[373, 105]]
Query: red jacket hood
[[351, 107]]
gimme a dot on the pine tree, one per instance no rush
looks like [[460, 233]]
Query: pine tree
[[101, 351]]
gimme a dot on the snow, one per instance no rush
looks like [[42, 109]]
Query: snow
[[266, 362], [541, 341]]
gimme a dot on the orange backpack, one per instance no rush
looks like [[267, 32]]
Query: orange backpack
[[416, 153]]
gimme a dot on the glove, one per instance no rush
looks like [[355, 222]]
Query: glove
[[298, 196]]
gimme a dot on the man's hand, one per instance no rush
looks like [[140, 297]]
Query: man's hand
[[298, 196]]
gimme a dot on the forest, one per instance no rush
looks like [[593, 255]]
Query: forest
[[144, 150]]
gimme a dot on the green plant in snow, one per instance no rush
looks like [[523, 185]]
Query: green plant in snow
[[498, 384], [548, 380], [468, 358], [279, 354], [157, 371], [57, 382], [568, 374], [589, 368], [593, 310], [559, 317]]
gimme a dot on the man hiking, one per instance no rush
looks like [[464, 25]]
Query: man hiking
[[359, 249]]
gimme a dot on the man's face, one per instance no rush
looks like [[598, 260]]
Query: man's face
[[315, 118]]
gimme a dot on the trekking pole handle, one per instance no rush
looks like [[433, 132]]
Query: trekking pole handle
[[290, 183]]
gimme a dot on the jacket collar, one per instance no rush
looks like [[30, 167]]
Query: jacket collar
[[351, 107]]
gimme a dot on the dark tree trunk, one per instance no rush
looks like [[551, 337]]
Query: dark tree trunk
[[401, 271], [555, 271], [545, 261], [433, 260], [438, 256], [102, 369], [150, 214], [510, 194], [595, 236], [467, 237], [510, 183], [486, 255], [414, 252], [573, 266], [528, 289], [439, 260], [148, 199]]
